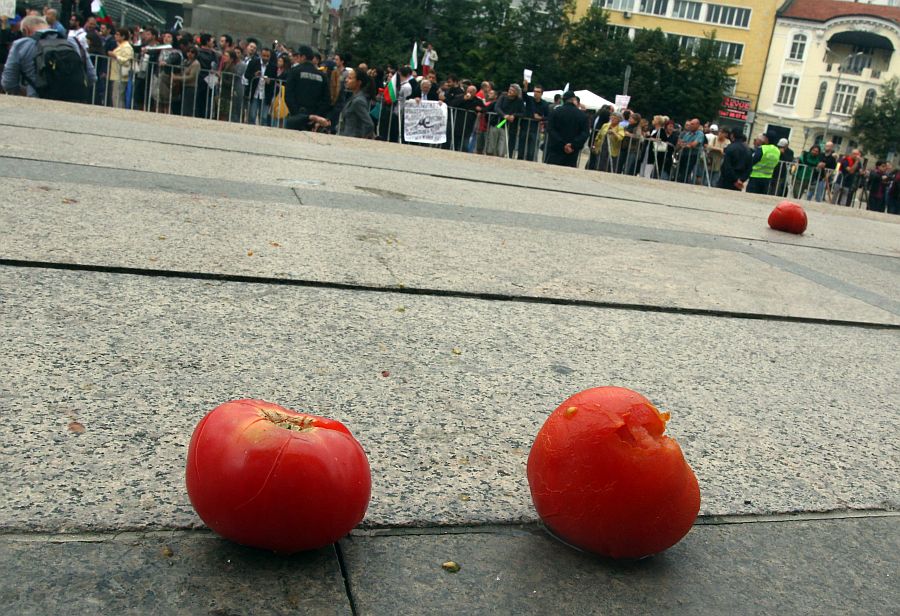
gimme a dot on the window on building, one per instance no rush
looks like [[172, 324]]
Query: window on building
[[617, 33], [787, 91], [869, 98], [861, 59], [820, 99], [616, 5], [688, 44], [731, 51], [685, 9], [844, 99], [655, 7], [728, 15], [798, 47]]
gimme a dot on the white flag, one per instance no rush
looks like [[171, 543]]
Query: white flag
[[414, 60]]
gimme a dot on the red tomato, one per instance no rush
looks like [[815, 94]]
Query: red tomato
[[264, 476], [604, 478], [788, 216]]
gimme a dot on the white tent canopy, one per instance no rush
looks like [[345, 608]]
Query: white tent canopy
[[588, 99]]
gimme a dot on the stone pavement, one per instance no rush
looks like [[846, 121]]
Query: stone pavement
[[153, 267]]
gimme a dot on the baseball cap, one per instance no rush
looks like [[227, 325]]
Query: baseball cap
[[713, 128], [782, 143]]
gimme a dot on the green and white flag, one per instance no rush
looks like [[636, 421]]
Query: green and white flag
[[414, 60]]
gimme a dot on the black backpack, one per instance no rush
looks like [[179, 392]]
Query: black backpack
[[61, 74]]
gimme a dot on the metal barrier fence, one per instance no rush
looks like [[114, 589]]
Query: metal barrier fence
[[170, 87]]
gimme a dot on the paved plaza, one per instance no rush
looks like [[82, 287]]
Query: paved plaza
[[441, 305]]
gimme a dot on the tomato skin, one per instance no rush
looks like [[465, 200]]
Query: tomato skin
[[788, 216], [605, 478], [265, 486]]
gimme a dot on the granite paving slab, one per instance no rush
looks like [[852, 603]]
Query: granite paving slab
[[387, 242], [797, 567], [527, 188], [444, 393], [163, 573]]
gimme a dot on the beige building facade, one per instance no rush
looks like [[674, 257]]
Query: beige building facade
[[826, 58], [742, 27]]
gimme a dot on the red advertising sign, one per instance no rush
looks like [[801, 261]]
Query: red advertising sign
[[735, 108]]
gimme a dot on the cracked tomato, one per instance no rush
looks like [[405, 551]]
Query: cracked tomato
[[605, 478], [267, 477], [788, 216]]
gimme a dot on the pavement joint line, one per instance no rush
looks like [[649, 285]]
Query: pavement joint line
[[297, 196], [345, 575], [440, 293], [490, 528]]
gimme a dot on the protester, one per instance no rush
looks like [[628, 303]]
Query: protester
[[878, 180], [608, 143], [848, 177], [121, 60], [690, 149], [355, 120], [717, 142], [807, 174], [504, 132], [68, 78]]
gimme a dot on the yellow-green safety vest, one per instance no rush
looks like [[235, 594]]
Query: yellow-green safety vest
[[765, 168]]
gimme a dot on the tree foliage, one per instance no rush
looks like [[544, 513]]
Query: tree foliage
[[878, 125], [489, 39]]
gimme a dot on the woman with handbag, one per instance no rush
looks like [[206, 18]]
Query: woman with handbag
[[120, 59]]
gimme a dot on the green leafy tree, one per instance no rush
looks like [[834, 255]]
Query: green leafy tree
[[656, 62], [469, 35], [701, 81], [537, 29], [387, 30], [877, 125], [592, 59]]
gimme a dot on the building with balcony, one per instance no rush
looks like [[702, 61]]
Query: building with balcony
[[742, 27], [827, 57]]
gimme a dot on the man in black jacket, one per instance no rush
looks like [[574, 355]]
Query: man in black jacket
[[463, 117], [209, 63], [737, 163], [567, 131], [306, 91], [536, 112]]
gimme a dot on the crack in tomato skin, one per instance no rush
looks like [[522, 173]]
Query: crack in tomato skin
[[273, 487], [268, 476], [608, 480]]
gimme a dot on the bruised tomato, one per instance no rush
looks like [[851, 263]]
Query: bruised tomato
[[605, 478], [788, 216], [267, 477]]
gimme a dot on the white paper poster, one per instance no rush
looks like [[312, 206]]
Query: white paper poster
[[8, 8], [528, 74], [425, 122], [622, 101]]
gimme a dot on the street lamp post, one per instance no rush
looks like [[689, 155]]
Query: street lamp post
[[836, 86]]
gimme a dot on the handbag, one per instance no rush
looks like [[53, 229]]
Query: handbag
[[279, 106]]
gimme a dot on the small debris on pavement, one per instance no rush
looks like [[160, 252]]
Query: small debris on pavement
[[76, 427], [167, 552], [450, 567]]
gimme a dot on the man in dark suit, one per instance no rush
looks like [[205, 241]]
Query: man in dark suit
[[567, 131]]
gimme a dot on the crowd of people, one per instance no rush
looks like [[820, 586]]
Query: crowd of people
[[176, 72]]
